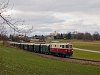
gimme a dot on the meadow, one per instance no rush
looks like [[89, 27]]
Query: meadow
[[14, 61], [86, 55]]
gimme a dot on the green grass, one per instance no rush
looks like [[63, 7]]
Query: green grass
[[19, 62], [91, 45], [86, 55], [87, 45]]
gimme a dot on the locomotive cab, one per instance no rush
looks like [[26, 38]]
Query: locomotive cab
[[61, 49]]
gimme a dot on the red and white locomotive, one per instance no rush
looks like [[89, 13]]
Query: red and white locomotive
[[61, 49]]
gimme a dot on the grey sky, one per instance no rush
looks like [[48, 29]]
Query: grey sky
[[57, 5], [58, 15]]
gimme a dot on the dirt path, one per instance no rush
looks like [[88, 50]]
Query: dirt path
[[86, 50]]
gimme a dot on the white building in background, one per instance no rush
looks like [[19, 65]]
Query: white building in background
[[51, 36], [54, 33]]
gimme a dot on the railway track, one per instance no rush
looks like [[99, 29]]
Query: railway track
[[85, 60], [75, 60]]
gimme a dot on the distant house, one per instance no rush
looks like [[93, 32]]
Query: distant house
[[34, 40], [52, 35]]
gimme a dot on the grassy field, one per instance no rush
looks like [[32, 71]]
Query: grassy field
[[86, 55], [19, 62], [91, 45]]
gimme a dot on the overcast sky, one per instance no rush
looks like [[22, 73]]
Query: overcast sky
[[62, 16]]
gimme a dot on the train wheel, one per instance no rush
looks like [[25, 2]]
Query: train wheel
[[67, 56], [64, 55]]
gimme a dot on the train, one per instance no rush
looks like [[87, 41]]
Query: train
[[57, 49]]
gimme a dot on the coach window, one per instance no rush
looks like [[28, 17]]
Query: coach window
[[62, 46]]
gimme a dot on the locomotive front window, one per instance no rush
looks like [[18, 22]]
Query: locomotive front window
[[66, 46], [62, 46], [70, 46]]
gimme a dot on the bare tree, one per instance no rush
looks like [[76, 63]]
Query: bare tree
[[3, 9], [7, 20], [3, 34]]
